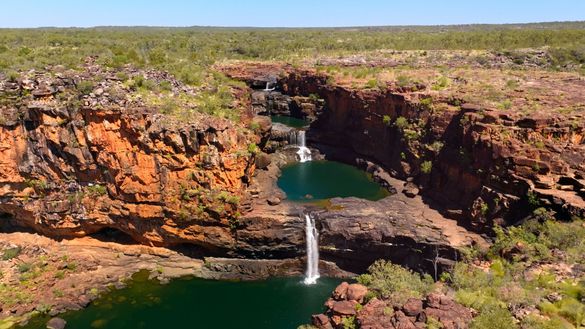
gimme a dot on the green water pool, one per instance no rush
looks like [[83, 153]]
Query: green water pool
[[289, 121], [278, 303], [319, 180]]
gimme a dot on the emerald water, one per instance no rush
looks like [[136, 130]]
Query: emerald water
[[278, 303], [289, 121], [319, 180]]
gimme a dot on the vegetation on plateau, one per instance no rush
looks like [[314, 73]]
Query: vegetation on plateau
[[188, 52], [531, 277]]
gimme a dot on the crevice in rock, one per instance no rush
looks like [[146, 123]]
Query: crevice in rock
[[111, 234]]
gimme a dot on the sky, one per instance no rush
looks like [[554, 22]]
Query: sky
[[283, 13]]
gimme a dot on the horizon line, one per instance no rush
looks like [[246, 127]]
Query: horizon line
[[287, 27]]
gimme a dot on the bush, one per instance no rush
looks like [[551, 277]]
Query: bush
[[394, 282], [426, 167], [401, 123], [403, 81], [441, 83], [252, 148], [97, 190], [493, 317], [24, 267], [11, 253], [85, 87], [386, 120]]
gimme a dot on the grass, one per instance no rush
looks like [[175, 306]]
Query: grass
[[11, 253], [188, 52]]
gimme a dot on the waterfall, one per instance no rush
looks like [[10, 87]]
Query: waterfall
[[312, 236], [268, 83], [298, 138]]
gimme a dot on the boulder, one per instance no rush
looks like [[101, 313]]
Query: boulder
[[345, 308], [263, 123], [356, 292], [263, 160], [376, 314], [340, 292], [274, 201], [413, 307], [56, 323], [410, 190], [321, 321]]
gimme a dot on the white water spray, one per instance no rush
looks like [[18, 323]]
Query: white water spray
[[304, 152], [268, 83], [312, 236]]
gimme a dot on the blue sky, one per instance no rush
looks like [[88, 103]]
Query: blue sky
[[287, 13]]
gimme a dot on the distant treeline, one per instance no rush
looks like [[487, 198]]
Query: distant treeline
[[174, 48]]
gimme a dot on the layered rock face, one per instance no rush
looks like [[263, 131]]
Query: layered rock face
[[483, 164], [73, 162]]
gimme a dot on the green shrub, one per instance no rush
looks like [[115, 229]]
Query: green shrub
[[254, 126], [122, 76], [441, 83], [85, 87], [426, 167], [394, 282], [403, 81], [97, 190], [426, 102], [512, 84], [252, 148], [349, 322], [165, 86], [11, 253], [24, 267], [506, 104], [372, 84], [573, 310], [433, 323], [401, 123], [386, 120], [493, 317]]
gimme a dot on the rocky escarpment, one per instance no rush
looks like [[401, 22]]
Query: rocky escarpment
[[83, 152], [348, 304], [483, 163]]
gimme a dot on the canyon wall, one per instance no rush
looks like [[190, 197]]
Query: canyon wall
[[75, 164], [482, 165]]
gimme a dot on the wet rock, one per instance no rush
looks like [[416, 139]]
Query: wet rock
[[56, 323]]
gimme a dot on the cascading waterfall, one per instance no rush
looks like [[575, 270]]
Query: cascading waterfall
[[268, 83], [312, 236], [298, 138]]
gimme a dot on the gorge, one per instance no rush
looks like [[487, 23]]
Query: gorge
[[321, 179]]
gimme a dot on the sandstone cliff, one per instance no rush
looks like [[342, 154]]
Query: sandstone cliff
[[81, 152]]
